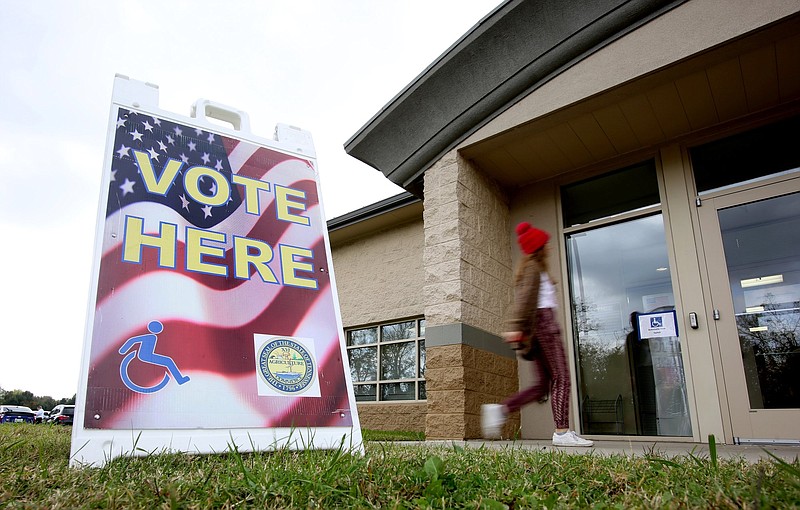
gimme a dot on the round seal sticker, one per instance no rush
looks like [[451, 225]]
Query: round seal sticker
[[286, 366]]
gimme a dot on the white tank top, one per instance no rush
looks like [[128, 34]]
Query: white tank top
[[547, 292]]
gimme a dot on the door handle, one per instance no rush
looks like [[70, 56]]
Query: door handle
[[716, 314]]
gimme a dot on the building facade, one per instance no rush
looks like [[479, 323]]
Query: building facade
[[656, 142], [377, 254]]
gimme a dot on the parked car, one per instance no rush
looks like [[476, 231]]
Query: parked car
[[61, 414], [15, 414]]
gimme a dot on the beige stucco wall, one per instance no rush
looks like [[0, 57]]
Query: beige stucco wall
[[538, 205], [379, 277]]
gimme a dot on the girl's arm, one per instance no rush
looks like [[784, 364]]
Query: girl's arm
[[526, 299]]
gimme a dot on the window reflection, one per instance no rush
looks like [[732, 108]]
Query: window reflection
[[391, 357], [616, 192], [761, 244], [362, 336], [421, 358], [627, 384], [365, 392], [397, 391], [397, 361], [400, 331], [363, 363]]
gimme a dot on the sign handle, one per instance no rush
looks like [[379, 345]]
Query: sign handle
[[203, 109]]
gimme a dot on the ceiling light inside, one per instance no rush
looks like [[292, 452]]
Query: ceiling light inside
[[762, 280]]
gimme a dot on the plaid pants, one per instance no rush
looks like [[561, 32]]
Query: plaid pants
[[550, 371]]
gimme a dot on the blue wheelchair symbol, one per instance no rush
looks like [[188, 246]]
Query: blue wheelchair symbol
[[656, 322], [146, 353]]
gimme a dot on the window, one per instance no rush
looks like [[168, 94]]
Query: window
[[628, 383], [747, 156], [628, 189], [387, 361]]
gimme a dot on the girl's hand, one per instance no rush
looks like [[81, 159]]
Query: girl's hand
[[512, 336]]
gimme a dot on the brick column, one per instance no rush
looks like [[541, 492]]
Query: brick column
[[467, 261]]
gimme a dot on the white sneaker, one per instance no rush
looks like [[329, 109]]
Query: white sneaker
[[570, 438], [492, 420]]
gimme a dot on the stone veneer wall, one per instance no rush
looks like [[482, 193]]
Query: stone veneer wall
[[467, 246], [467, 282], [459, 379], [407, 416]]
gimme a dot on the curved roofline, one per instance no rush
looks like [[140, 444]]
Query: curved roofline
[[420, 78], [513, 50]]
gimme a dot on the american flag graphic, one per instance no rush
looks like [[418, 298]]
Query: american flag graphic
[[209, 321]]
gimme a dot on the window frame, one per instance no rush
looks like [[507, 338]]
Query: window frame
[[572, 330], [418, 341], [612, 211]]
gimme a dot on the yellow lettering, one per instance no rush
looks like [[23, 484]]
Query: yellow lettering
[[156, 185], [290, 265], [204, 244], [259, 257], [251, 189], [195, 250], [284, 203], [135, 239], [221, 192]]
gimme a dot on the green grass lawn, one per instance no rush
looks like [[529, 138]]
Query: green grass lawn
[[391, 435], [34, 473]]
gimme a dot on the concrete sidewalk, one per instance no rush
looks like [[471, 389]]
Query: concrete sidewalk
[[750, 452]]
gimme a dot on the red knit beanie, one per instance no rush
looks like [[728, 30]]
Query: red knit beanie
[[531, 239]]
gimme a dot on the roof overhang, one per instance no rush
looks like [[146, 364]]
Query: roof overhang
[[513, 50], [382, 215], [729, 85]]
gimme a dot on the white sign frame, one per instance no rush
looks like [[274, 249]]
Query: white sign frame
[[95, 445]]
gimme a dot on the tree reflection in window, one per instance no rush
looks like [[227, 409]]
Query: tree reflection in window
[[771, 354], [362, 336], [387, 362], [400, 331], [363, 363], [397, 361]]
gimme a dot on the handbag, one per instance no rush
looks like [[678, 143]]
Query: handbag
[[527, 348]]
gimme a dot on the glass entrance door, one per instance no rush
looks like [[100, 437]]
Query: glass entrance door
[[631, 378], [756, 295], [629, 360]]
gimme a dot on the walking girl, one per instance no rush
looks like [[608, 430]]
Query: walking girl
[[534, 333]]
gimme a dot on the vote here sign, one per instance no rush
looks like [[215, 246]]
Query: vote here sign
[[214, 312]]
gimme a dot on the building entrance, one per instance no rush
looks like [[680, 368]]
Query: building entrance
[[756, 304], [631, 378], [628, 346]]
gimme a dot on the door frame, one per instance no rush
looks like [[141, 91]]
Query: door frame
[[746, 424]]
